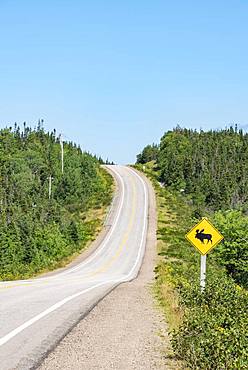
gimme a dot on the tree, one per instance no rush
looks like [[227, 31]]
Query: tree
[[149, 153]]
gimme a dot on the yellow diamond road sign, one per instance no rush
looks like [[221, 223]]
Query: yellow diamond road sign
[[204, 236]]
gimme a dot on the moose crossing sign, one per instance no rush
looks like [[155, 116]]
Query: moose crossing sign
[[204, 236]]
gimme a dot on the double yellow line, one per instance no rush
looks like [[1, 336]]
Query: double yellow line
[[110, 262], [124, 240]]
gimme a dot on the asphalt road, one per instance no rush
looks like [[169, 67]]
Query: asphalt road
[[35, 314]]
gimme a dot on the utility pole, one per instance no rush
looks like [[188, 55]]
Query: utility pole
[[50, 187], [62, 153]]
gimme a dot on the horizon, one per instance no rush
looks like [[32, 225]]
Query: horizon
[[114, 77], [67, 139]]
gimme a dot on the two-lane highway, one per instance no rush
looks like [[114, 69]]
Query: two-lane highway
[[35, 314]]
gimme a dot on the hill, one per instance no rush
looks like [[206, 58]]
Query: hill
[[39, 227], [195, 174]]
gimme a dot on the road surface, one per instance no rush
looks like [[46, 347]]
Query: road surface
[[35, 314]]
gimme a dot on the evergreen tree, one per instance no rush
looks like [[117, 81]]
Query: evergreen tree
[[35, 231]]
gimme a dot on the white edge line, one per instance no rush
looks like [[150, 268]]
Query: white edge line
[[144, 231], [105, 241], [59, 304], [36, 318], [92, 256]]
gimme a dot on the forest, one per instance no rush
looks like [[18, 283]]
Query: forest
[[44, 205], [199, 173], [210, 169], [210, 166]]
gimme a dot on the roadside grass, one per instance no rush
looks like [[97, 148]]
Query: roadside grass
[[167, 224], [63, 251], [163, 289], [93, 220], [207, 330]]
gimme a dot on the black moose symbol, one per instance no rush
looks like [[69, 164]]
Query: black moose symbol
[[201, 236]]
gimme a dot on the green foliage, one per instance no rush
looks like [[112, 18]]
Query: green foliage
[[37, 232], [212, 333], [233, 252], [210, 166], [210, 170], [149, 153]]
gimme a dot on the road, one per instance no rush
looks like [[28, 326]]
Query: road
[[35, 314]]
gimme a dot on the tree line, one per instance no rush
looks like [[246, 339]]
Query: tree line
[[209, 166], [38, 229], [195, 174]]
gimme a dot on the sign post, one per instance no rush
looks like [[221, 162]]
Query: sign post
[[203, 272], [204, 237]]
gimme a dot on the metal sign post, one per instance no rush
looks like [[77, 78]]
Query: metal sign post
[[203, 272], [204, 237]]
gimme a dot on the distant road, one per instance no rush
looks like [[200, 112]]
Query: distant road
[[35, 314]]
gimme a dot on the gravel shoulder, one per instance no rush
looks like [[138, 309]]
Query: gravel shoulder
[[124, 331]]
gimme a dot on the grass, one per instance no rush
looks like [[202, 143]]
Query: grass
[[164, 291], [167, 221], [94, 217], [208, 330]]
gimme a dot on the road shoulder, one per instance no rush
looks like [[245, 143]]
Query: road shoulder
[[92, 246], [125, 330]]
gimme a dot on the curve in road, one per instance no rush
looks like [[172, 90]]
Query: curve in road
[[37, 313]]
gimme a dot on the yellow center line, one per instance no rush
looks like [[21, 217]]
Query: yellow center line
[[107, 264], [110, 262], [21, 284]]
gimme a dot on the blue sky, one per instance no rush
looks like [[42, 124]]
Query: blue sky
[[115, 75]]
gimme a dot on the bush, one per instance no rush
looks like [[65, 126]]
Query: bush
[[213, 326], [213, 334], [233, 252], [37, 231]]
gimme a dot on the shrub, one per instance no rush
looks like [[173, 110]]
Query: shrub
[[213, 334], [233, 252]]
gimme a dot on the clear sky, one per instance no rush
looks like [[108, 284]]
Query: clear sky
[[114, 75]]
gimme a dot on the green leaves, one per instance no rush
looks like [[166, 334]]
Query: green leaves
[[210, 166], [37, 232], [233, 252], [213, 332], [148, 154]]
